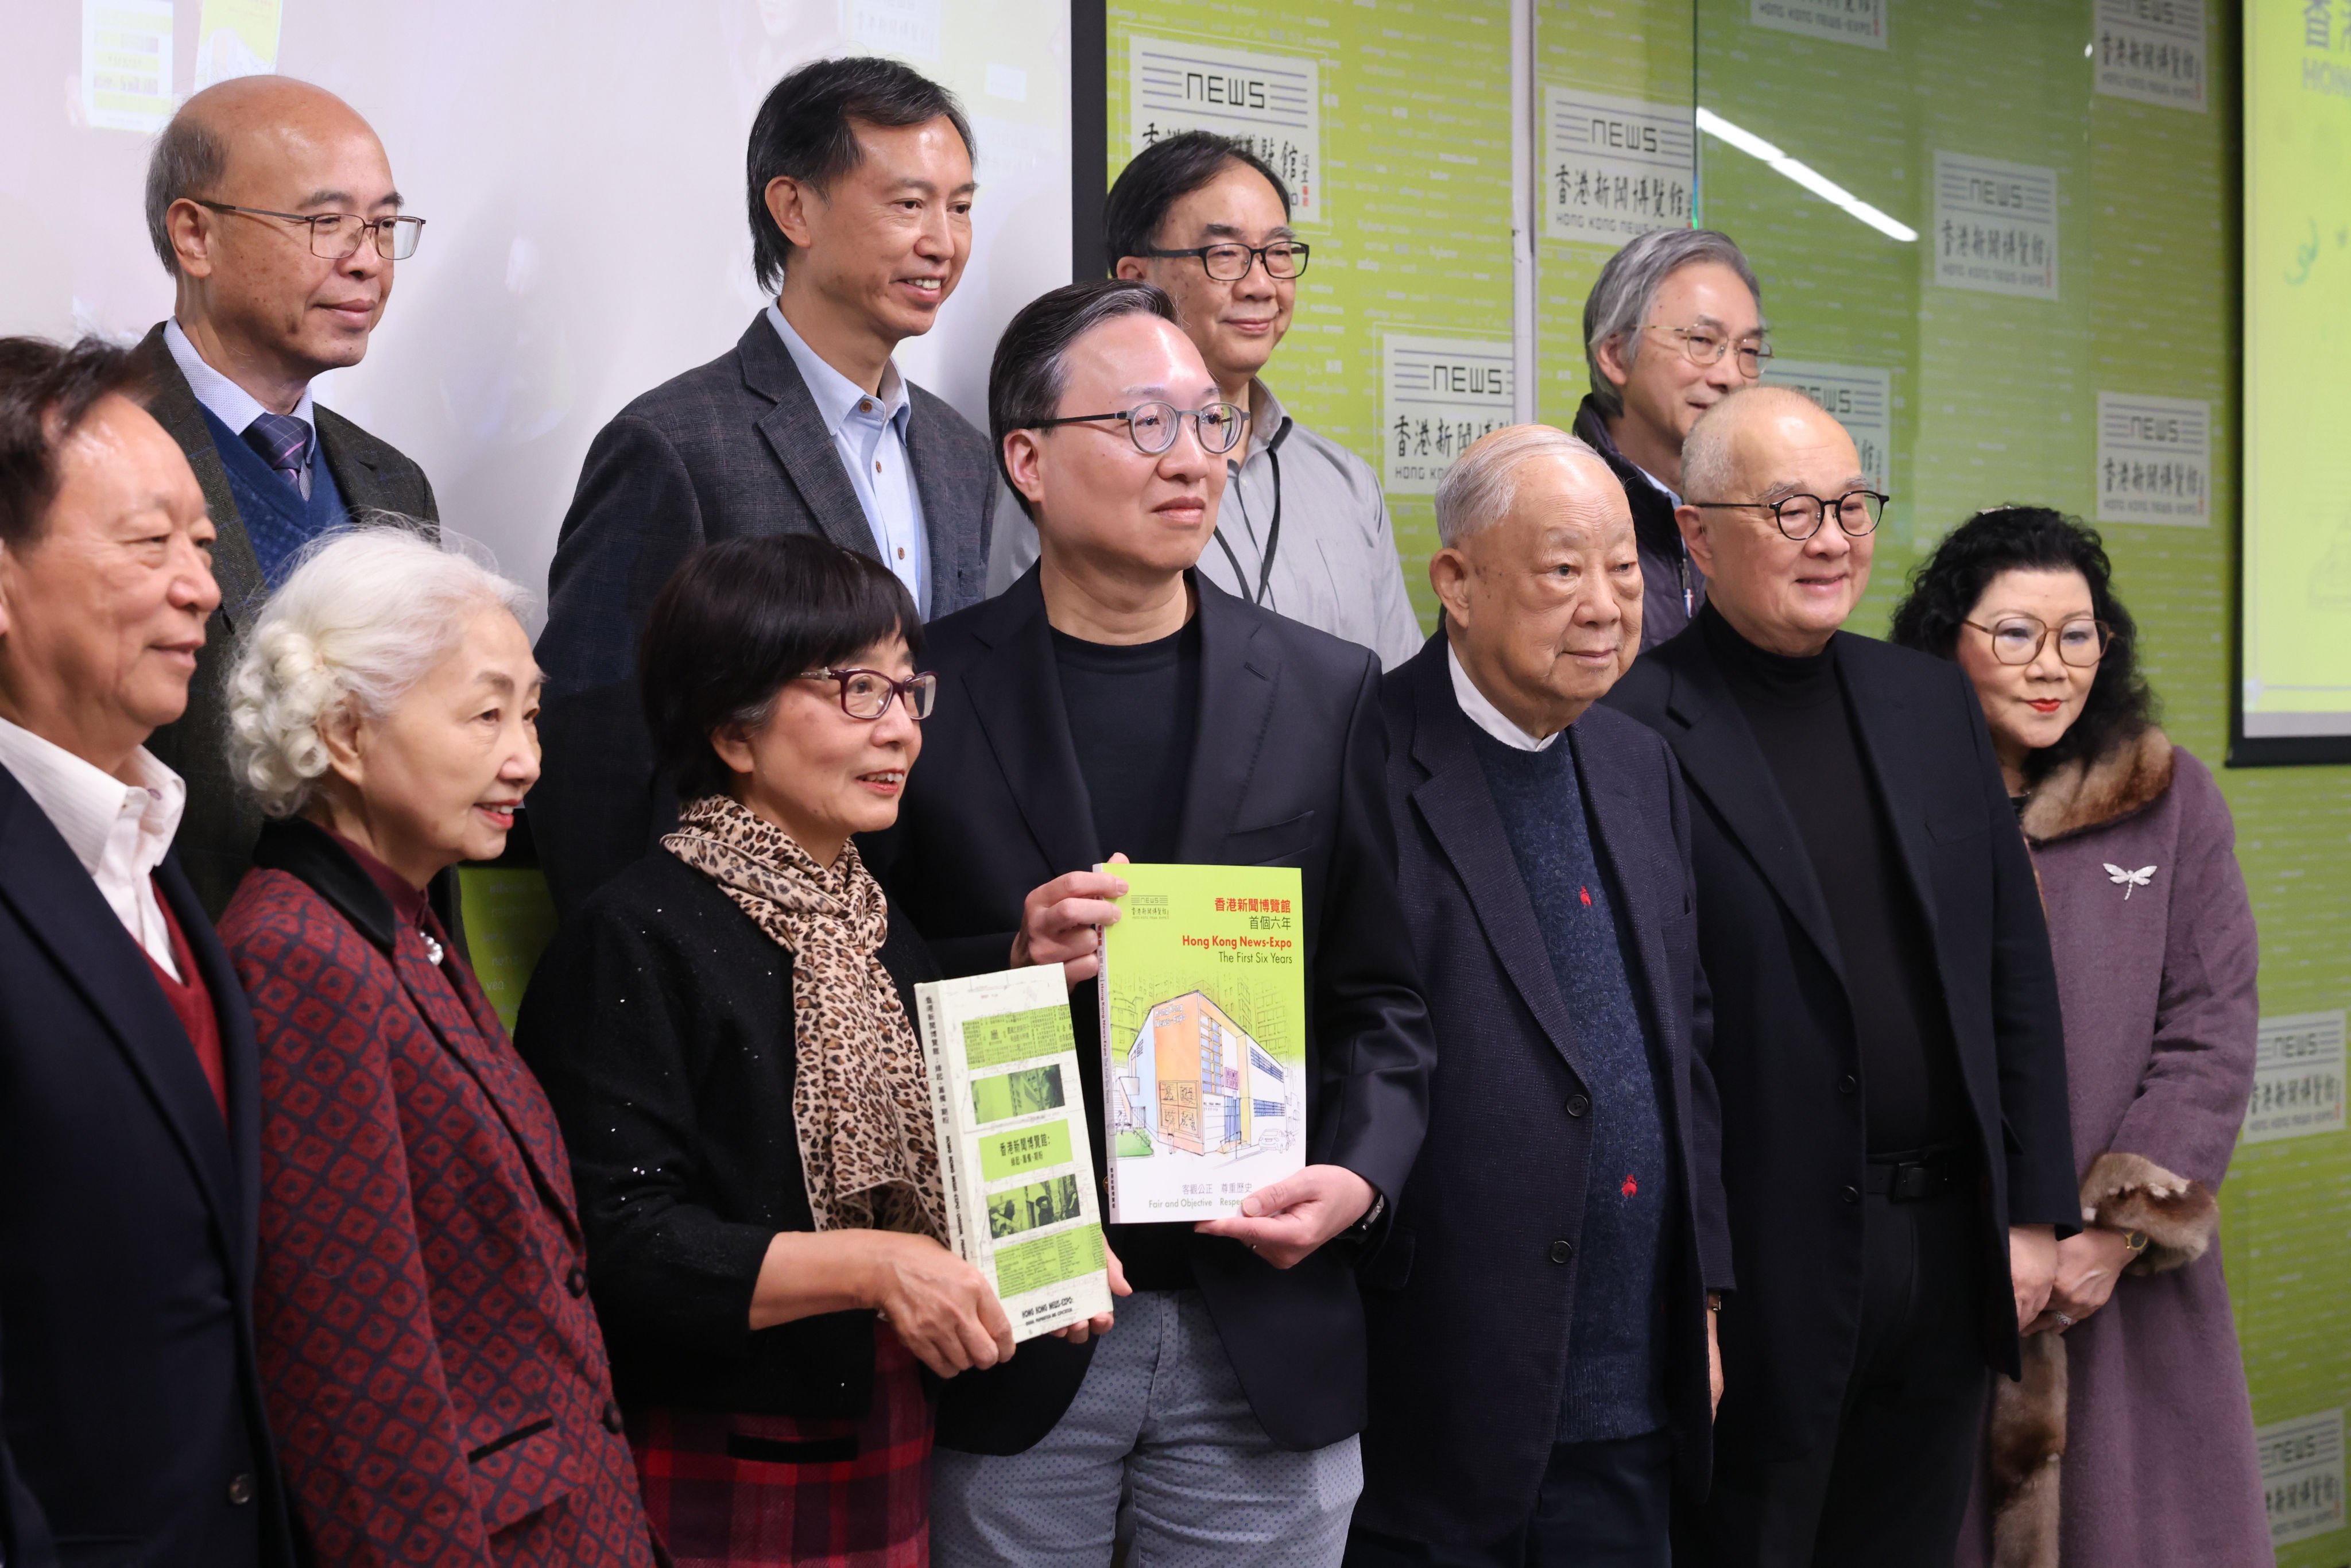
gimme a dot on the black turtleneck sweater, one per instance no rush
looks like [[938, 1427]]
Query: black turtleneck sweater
[[1802, 717]]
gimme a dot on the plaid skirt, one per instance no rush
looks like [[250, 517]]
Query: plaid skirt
[[764, 1491]]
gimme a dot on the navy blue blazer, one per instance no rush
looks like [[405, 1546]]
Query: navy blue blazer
[[127, 1218], [1469, 1298]]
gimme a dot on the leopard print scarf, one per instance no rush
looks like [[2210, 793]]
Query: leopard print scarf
[[861, 1096]]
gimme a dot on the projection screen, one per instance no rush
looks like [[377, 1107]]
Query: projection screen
[[2293, 692], [580, 167]]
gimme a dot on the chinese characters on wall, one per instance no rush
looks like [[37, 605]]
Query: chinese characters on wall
[[1439, 395], [1614, 167], [1273, 102], [2154, 459]]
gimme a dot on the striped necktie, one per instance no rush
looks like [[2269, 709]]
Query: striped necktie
[[283, 441]]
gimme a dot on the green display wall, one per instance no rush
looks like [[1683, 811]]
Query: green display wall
[[2104, 272]]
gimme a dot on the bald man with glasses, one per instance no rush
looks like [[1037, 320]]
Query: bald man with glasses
[[271, 203]]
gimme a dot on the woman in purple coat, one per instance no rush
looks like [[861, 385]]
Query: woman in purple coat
[[2129, 1442]]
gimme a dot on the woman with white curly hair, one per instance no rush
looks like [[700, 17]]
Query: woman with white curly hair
[[433, 1372]]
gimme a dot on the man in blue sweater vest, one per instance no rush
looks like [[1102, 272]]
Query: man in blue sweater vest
[[271, 203], [1542, 1351]]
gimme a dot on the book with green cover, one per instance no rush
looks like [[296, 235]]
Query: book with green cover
[[1013, 1153], [1203, 1039]]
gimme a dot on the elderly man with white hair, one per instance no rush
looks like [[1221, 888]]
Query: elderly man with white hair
[[1899, 1148], [434, 1372], [1542, 1351]]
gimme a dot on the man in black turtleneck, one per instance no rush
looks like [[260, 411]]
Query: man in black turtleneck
[[1887, 1044]]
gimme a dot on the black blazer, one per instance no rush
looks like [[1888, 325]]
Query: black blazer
[[660, 1022], [732, 448], [1285, 771], [1469, 1308], [1793, 1146], [221, 825], [128, 1217]]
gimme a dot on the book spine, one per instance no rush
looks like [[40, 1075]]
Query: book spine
[[1108, 1091], [936, 1048]]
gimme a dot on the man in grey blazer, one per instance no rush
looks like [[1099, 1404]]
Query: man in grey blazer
[[860, 201], [271, 203]]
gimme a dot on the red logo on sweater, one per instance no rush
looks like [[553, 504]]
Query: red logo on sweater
[[1584, 894], [1630, 1186]]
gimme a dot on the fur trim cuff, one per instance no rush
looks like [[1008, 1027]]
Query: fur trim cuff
[[2130, 1192], [2024, 1456]]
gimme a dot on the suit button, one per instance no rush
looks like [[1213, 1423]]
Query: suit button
[[1577, 1105], [576, 1282], [1561, 1251], [240, 1490], [1848, 1084], [611, 1416], [1852, 1195]]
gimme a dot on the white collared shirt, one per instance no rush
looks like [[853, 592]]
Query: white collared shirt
[[869, 430], [231, 403], [1485, 714], [118, 831]]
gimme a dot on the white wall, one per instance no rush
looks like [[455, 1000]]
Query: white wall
[[580, 164]]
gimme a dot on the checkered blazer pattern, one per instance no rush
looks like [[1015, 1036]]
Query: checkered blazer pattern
[[433, 1370]]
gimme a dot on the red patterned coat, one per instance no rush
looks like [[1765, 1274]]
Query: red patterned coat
[[435, 1374]]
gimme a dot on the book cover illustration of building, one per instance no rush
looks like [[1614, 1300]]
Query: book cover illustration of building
[[1204, 1012]]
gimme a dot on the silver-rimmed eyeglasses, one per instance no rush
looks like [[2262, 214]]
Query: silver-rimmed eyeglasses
[[1704, 347], [1153, 426], [337, 237]]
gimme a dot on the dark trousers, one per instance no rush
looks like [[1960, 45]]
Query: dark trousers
[[1601, 1505], [1890, 1491]]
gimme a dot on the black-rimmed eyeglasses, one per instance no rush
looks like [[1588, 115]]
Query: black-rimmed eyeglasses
[[868, 694], [2019, 639], [337, 236], [1801, 516], [1229, 263], [1153, 426]]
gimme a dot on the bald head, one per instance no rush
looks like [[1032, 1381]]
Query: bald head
[[1750, 451], [260, 302]]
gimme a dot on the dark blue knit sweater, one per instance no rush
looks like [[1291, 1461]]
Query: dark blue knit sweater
[[1614, 1379]]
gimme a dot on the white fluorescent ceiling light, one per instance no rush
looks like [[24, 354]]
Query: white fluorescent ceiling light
[[1804, 174]]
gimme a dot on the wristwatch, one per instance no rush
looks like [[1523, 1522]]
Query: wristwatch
[[1363, 1227], [2135, 1242]]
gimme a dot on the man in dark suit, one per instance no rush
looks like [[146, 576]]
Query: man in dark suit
[[860, 194], [129, 1146], [1111, 703], [1895, 1142], [271, 205], [1542, 1351]]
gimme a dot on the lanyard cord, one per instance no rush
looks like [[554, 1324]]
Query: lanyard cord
[[1272, 533]]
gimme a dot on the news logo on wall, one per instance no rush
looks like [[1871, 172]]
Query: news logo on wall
[[1439, 395], [1271, 102]]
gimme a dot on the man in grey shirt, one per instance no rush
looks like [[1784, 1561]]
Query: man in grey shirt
[[1303, 529]]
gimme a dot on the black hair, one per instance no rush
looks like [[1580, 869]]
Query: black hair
[[1946, 587], [47, 390], [1030, 369], [1163, 174], [803, 132], [738, 620]]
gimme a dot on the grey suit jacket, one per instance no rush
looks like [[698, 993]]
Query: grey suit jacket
[[732, 448], [217, 832]]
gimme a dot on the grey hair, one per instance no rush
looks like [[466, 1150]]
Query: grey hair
[[364, 616], [188, 158], [1619, 302], [1476, 491]]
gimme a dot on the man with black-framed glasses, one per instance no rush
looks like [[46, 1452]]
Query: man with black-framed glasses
[[1674, 324], [1897, 1141], [1303, 529], [1115, 703], [272, 204]]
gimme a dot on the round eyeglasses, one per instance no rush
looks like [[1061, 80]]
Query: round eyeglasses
[[867, 693], [1801, 516], [1704, 348], [1229, 263], [2019, 639], [337, 237], [1153, 426]]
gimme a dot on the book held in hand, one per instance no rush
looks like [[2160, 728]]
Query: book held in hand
[[1013, 1153], [1203, 1039]]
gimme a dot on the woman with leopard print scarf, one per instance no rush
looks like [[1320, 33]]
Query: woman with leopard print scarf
[[724, 1032]]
